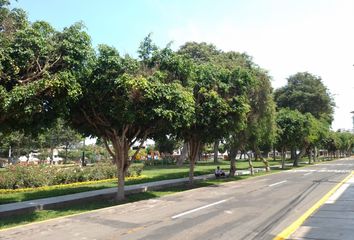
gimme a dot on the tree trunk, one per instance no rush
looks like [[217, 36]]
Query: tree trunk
[[241, 152], [297, 157], [265, 162], [296, 162], [66, 155], [121, 183], [283, 158], [309, 156], [183, 156], [122, 161], [274, 154], [9, 160], [232, 155], [51, 156], [194, 147], [293, 153], [250, 165], [216, 151]]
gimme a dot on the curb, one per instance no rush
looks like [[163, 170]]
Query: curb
[[285, 234], [19, 208]]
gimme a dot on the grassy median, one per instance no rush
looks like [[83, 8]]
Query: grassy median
[[155, 173], [80, 208], [152, 173]]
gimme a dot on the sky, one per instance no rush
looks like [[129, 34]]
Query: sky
[[282, 36]]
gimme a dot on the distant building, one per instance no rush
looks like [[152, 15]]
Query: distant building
[[353, 120]]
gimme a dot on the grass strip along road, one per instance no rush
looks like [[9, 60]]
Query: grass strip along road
[[42, 215], [150, 173], [48, 214]]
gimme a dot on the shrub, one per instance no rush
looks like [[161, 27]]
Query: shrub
[[22, 176]]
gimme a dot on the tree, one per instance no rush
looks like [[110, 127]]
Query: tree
[[38, 69], [293, 131], [318, 130], [220, 103], [15, 144], [259, 130], [167, 144], [123, 102], [345, 142], [234, 79], [60, 134], [306, 93]]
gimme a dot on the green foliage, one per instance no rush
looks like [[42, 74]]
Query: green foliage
[[342, 141], [22, 176], [307, 94], [114, 96], [293, 128], [167, 144], [38, 69]]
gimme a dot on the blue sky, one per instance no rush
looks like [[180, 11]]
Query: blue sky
[[283, 36]]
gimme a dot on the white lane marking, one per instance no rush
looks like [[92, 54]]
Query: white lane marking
[[322, 171], [197, 209], [277, 183], [340, 191], [308, 173]]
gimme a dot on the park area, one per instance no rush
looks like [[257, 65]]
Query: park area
[[79, 116], [43, 181]]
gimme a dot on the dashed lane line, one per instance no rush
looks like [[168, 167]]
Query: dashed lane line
[[277, 183], [198, 209]]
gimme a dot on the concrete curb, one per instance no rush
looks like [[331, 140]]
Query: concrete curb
[[84, 197], [19, 208]]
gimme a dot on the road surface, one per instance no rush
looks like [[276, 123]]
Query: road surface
[[257, 208]]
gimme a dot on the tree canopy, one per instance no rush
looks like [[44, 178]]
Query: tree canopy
[[306, 93], [38, 68], [123, 102]]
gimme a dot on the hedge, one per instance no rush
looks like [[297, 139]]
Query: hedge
[[33, 176]]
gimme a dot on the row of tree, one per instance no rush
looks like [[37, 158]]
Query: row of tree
[[198, 94]]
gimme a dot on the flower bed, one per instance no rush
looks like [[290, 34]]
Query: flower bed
[[63, 186], [19, 176]]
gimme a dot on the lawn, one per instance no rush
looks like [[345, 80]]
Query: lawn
[[80, 208], [152, 173]]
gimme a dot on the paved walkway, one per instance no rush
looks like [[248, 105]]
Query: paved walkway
[[334, 219], [66, 200]]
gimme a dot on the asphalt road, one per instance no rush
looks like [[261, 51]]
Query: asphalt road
[[257, 208]]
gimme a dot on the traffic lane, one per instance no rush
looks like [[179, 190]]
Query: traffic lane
[[143, 215], [334, 219], [133, 215], [244, 217], [241, 209], [129, 213]]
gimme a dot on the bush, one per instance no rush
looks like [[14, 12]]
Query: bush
[[22, 176]]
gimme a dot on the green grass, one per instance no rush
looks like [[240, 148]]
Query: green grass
[[80, 208], [153, 173]]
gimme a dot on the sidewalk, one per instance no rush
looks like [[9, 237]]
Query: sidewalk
[[67, 200], [334, 219]]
